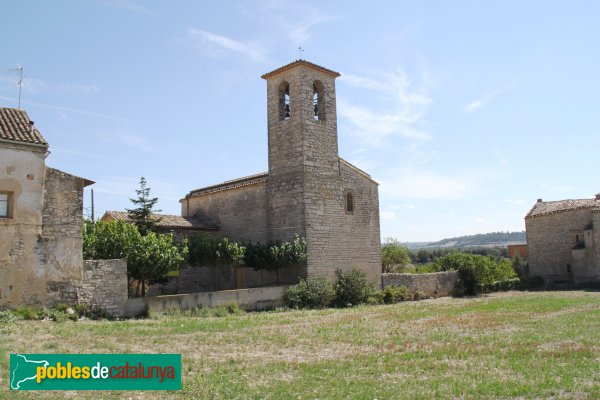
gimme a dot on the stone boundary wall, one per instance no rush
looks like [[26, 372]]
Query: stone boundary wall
[[437, 284], [249, 299], [197, 279], [105, 285]]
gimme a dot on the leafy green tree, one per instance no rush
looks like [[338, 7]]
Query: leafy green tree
[[153, 256], [149, 257], [108, 240], [394, 255], [203, 250], [476, 272], [231, 253], [423, 256], [143, 216], [275, 256], [520, 266]]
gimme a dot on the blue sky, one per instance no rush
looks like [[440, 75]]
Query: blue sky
[[465, 112]]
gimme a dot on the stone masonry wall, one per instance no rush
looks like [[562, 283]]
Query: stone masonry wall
[[305, 187], [61, 241], [361, 228], [596, 240], [240, 213], [44, 263], [550, 239], [105, 285], [437, 284], [208, 278], [22, 173]]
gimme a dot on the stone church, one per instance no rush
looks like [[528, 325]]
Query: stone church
[[309, 190]]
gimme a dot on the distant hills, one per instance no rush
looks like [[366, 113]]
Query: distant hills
[[479, 240]]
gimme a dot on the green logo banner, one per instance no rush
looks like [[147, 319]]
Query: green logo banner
[[95, 372]]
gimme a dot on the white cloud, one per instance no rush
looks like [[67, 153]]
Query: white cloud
[[409, 206], [300, 30], [34, 85], [426, 184], [85, 89], [120, 186], [373, 127], [552, 187], [483, 100], [401, 108], [65, 109], [388, 215], [297, 19], [28, 85], [82, 154], [361, 163], [502, 159], [132, 139], [216, 45], [358, 151], [515, 201]]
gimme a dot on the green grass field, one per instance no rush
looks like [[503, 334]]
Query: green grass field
[[527, 345]]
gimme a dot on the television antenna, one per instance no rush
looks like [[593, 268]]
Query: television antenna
[[19, 71]]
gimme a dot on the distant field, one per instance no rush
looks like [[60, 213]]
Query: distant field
[[517, 344]]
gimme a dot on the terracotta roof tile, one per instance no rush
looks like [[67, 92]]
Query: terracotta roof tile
[[301, 62], [15, 126], [232, 184], [553, 207], [167, 221]]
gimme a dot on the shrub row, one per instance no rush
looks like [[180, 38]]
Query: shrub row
[[210, 250], [478, 274], [394, 294], [351, 289], [499, 286]]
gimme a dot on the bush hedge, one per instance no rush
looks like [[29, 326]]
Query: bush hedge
[[477, 273], [310, 293], [352, 288]]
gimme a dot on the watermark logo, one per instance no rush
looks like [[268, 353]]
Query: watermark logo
[[95, 372]]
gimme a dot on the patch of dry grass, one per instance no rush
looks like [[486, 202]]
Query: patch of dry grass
[[516, 344]]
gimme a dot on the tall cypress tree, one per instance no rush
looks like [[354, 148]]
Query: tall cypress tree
[[143, 216]]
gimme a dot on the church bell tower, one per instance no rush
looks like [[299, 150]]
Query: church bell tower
[[303, 143]]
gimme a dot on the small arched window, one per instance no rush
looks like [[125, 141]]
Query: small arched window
[[349, 202], [318, 101], [285, 108]]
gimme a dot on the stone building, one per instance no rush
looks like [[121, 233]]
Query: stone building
[[309, 190], [40, 220], [562, 241]]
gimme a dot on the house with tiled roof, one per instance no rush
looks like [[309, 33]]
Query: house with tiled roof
[[40, 219], [563, 240], [308, 190], [180, 227]]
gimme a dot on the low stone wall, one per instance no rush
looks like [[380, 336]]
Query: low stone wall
[[437, 284], [196, 279], [249, 299], [105, 285]]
